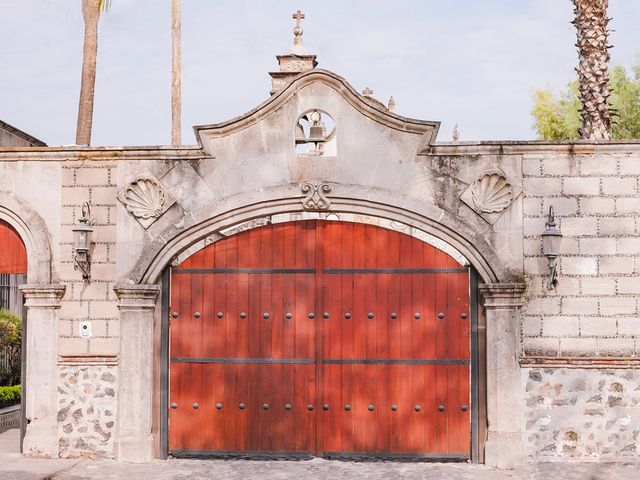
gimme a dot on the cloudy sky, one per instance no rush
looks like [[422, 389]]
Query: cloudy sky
[[469, 62]]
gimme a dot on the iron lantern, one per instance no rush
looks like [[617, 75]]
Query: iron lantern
[[551, 238], [82, 233]]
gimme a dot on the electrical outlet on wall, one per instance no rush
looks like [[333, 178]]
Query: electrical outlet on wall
[[85, 329]]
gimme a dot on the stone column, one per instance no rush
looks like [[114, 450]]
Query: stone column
[[41, 394], [502, 304], [134, 442]]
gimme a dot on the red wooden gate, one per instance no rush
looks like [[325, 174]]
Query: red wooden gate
[[320, 338], [13, 255]]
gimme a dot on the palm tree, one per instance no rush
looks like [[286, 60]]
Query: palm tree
[[591, 23], [91, 14], [176, 73]]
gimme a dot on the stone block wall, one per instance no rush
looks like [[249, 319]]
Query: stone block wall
[[594, 310], [592, 317], [94, 182]]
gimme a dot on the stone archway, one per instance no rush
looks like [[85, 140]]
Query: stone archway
[[42, 300], [33, 232], [440, 225], [501, 301]]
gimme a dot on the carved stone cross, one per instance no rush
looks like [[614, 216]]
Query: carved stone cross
[[297, 17]]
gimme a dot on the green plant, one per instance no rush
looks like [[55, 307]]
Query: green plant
[[558, 118], [10, 395], [10, 346]]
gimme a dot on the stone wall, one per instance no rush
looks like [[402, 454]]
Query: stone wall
[[95, 301], [87, 399], [594, 310], [582, 412]]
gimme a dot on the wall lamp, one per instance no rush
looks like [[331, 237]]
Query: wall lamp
[[82, 233], [551, 238]]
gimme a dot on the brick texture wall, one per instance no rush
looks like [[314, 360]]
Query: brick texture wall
[[93, 182], [594, 310]]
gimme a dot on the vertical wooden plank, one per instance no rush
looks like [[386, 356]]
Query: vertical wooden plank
[[287, 422], [431, 409], [349, 348], [206, 411], [331, 333], [318, 425]]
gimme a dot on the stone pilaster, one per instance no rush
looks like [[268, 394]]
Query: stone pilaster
[[134, 442], [41, 397], [502, 304]]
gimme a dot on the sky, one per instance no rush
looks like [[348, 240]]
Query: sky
[[467, 62]]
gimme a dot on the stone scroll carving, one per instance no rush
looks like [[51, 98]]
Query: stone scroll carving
[[316, 195], [489, 196], [146, 199]]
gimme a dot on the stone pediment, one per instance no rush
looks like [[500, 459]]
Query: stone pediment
[[307, 89]]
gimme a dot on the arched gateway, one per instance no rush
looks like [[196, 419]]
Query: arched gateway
[[320, 338]]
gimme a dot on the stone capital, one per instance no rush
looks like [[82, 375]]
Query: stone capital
[[503, 296], [42, 296], [136, 296]]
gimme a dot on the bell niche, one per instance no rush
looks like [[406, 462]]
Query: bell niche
[[315, 134]]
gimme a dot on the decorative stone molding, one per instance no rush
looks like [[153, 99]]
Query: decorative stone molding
[[489, 196], [136, 297], [316, 198], [428, 129], [42, 296], [146, 199], [504, 296]]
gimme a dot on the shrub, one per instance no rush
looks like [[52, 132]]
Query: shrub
[[10, 396], [10, 329], [10, 346]]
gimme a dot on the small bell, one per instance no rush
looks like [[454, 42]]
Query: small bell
[[315, 134], [316, 129], [300, 136]]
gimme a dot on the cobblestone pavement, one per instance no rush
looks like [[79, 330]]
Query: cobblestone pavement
[[14, 466], [334, 470]]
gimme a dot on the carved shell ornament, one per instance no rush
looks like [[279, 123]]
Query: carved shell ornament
[[491, 193], [144, 198]]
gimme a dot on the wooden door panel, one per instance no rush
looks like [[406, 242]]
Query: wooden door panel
[[382, 367]]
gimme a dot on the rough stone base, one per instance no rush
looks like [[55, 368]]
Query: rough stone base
[[504, 450], [9, 418], [87, 411], [582, 413]]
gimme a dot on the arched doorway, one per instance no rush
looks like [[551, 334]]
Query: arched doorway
[[320, 338], [13, 272]]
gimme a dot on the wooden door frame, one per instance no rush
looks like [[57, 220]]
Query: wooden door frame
[[478, 367]]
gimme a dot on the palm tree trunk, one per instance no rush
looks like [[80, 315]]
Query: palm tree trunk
[[176, 72], [591, 22], [91, 16]]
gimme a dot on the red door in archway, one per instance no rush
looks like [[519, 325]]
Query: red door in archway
[[13, 268], [320, 338], [13, 254]]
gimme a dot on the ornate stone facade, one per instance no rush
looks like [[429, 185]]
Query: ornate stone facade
[[389, 171]]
